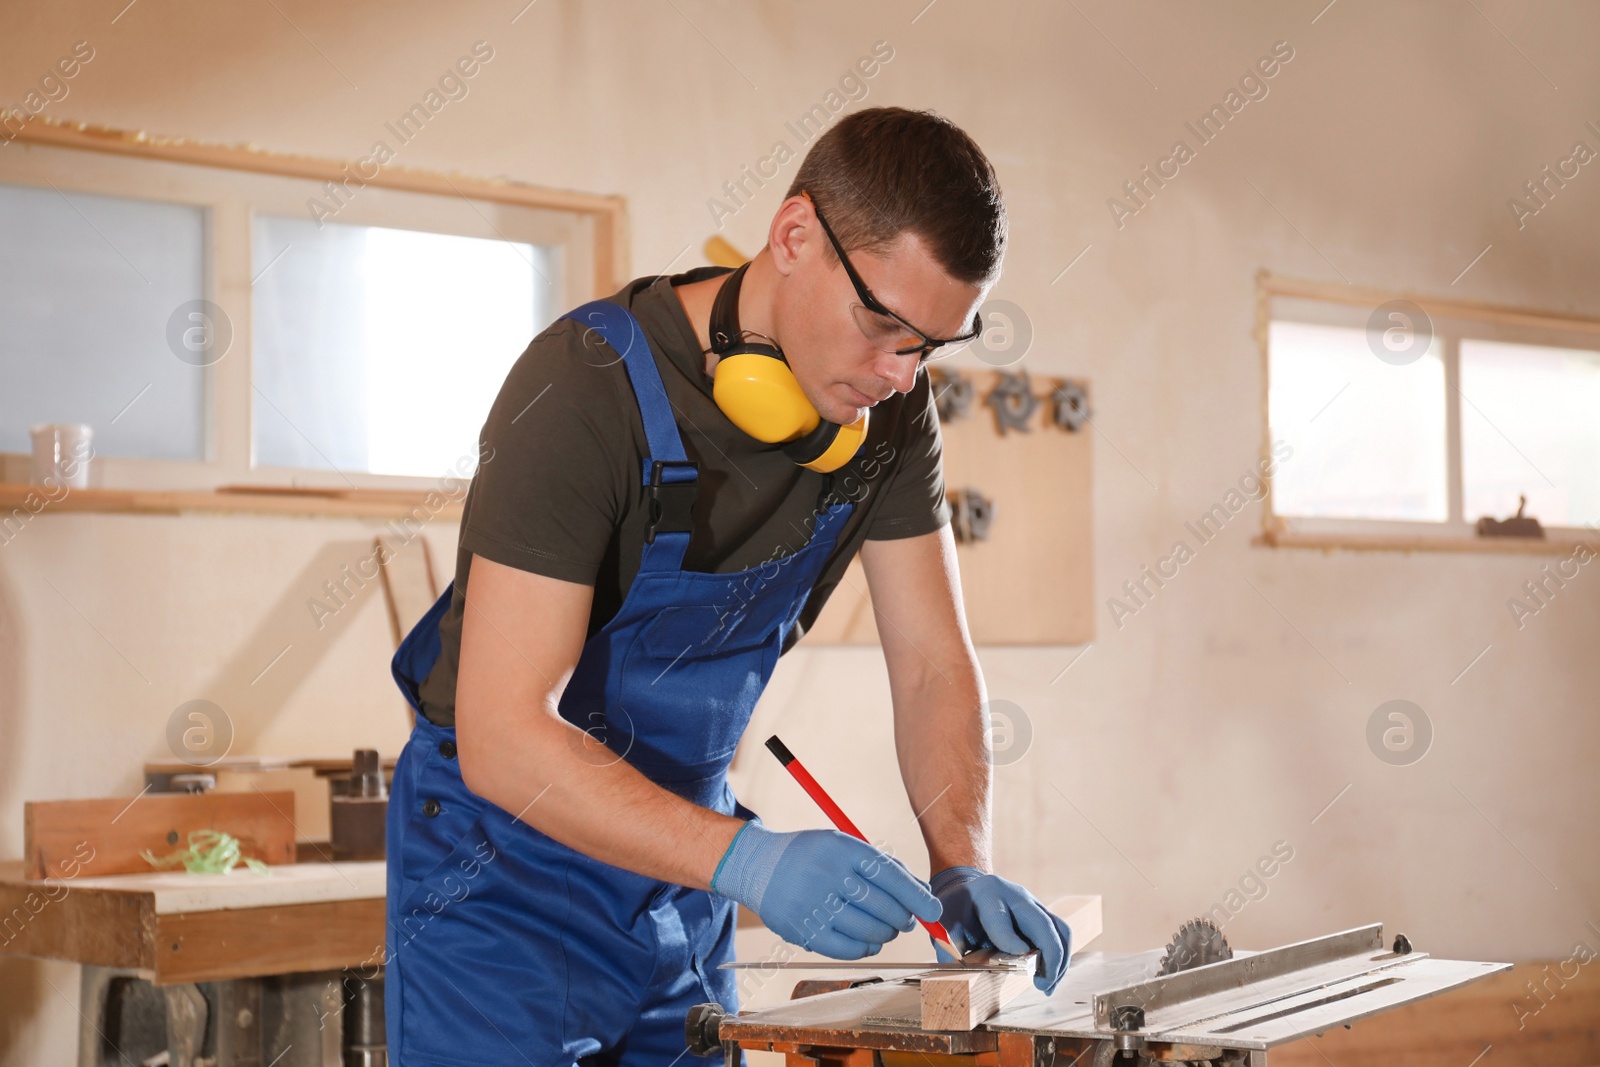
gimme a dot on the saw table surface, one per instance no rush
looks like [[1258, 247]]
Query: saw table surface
[[1253, 1015]]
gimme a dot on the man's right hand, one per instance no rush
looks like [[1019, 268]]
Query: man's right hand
[[823, 890]]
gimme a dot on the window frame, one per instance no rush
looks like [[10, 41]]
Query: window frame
[[1454, 320], [231, 186]]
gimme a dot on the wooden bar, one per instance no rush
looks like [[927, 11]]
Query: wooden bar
[[1516, 546], [962, 1001], [1444, 307], [341, 503]]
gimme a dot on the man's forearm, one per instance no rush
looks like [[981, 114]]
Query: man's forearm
[[944, 760], [565, 784]]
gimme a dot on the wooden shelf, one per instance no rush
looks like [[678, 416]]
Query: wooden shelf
[[426, 504], [1516, 546]]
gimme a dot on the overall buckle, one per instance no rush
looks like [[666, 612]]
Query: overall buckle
[[670, 502]]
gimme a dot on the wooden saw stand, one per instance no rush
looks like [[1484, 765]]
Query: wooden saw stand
[[1109, 1010]]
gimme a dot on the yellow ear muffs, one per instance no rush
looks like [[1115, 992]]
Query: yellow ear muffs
[[759, 395], [755, 388], [843, 442]]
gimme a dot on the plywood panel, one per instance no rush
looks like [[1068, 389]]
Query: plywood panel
[[1032, 581]]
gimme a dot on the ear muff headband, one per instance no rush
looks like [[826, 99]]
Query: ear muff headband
[[755, 388]]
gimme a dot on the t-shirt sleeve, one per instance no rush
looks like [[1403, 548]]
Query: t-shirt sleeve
[[914, 500], [550, 488]]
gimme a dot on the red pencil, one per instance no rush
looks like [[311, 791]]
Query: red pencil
[[842, 821]]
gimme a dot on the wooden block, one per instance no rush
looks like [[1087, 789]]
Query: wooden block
[[62, 838], [1082, 914], [962, 1000], [310, 789], [409, 584]]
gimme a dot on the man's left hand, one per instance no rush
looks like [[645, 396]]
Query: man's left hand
[[986, 911]]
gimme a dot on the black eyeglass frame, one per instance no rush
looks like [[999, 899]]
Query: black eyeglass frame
[[873, 304]]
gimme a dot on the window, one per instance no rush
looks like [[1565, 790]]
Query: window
[[87, 284], [188, 304], [1367, 437], [1531, 425], [381, 350], [1407, 420]]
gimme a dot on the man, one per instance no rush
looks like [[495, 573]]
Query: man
[[564, 851]]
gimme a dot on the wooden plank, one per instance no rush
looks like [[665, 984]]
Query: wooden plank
[[321, 765], [1443, 307], [1032, 581], [95, 138], [177, 892], [410, 586], [348, 503], [312, 815], [113, 831], [879, 1016], [1557, 543], [1082, 914], [962, 1001], [212, 946]]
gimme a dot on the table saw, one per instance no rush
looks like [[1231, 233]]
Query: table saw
[[1196, 1002]]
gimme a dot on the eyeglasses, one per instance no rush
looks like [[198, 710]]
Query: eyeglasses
[[884, 330]]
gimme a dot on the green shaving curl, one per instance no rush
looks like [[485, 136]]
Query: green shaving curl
[[209, 852]]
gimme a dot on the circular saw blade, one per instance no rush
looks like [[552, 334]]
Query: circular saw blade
[[1197, 943]]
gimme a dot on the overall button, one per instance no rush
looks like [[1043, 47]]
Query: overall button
[[430, 807], [447, 749]]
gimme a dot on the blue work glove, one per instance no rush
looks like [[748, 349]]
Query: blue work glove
[[986, 911], [823, 890]]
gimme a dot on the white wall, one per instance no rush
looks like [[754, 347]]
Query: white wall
[[1182, 745]]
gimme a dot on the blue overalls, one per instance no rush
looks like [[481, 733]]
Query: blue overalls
[[506, 946]]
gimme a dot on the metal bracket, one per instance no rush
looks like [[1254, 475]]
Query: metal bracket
[[1013, 401], [972, 514], [1069, 406], [952, 393]]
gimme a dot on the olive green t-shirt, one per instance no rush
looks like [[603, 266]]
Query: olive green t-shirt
[[558, 488]]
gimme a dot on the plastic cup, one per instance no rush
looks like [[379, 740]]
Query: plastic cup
[[61, 454]]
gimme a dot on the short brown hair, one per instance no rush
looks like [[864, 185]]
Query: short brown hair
[[884, 171]]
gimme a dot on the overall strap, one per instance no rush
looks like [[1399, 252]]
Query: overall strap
[[668, 476]]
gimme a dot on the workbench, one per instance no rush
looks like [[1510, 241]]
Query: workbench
[[316, 922]]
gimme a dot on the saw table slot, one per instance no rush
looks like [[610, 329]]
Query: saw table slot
[[1298, 1008], [1413, 980]]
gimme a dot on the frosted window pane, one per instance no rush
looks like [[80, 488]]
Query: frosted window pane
[[381, 350], [88, 285], [1368, 436], [1530, 423]]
